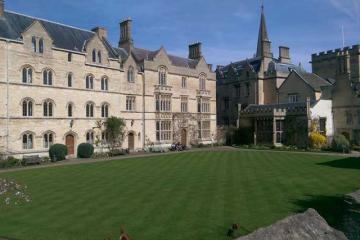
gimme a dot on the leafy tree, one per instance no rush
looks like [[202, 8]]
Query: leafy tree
[[114, 129]]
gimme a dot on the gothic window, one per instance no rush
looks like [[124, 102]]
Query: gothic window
[[162, 76], [27, 108], [27, 75], [89, 82], [202, 82], [104, 83], [27, 141], [48, 139], [47, 77], [94, 56], [70, 80], [130, 103], [48, 108], [163, 103], [130, 74], [104, 110], [33, 44], [99, 57], [41, 45], [90, 110], [90, 137]]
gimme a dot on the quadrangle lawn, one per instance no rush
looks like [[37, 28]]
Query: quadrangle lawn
[[193, 195]]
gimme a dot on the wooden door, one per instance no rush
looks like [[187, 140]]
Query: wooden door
[[131, 141], [70, 142], [183, 137]]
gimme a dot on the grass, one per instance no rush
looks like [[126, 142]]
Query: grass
[[194, 195]]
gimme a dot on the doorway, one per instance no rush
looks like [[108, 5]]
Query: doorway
[[70, 144], [183, 137], [131, 141]]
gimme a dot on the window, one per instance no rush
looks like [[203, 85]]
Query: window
[[163, 131], [203, 105], [247, 85], [70, 80], [104, 137], [70, 110], [89, 82], [48, 140], [47, 77], [33, 44], [163, 103], [99, 57], [69, 57], [90, 137], [349, 118], [184, 104], [27, 140], [94, 56], [203, 129], [90, 110], [183, 82], [104, 110], [130, 74], [202, 82], [162, 76], [226, 103], [48, 108], [130, 103], [104, 83], [27, 75], [293, 98], [279, 131], [27, 107], [41, 45], [237, 90], [322, 126]]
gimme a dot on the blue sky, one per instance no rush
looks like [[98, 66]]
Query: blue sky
[[228, 29]]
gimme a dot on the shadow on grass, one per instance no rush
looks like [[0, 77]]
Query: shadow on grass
[[339, 214], [350, 163]]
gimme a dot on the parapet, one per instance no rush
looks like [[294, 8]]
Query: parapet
[[355, 49]]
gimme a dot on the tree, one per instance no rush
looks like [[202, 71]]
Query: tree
[[114, 129]]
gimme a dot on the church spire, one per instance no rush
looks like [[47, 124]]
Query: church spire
[[264, 44]]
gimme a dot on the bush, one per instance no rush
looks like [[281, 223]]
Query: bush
[[356, 148], [85, 150], [340, 144], [58, 152], [317, 140], [10, 162]]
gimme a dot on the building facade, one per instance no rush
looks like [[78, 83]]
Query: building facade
[[343, 66], [57, 83]]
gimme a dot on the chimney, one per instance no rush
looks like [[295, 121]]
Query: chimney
[[195, 51], [284, 54], [100, 31], [126, 40], [2, 8]]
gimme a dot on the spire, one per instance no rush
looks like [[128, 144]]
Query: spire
[[263, 46]]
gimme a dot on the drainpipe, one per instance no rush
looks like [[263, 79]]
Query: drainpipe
[[143, 110], [7, 98]]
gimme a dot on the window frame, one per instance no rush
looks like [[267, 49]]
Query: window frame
[[27, 75], [90, 110], [26, 144], [48, 140]]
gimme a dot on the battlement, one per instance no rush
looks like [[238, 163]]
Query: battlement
[[355, 49]]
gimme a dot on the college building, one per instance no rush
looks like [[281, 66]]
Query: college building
[[58, 83]]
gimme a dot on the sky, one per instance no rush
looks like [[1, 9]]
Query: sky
[[228, 29]]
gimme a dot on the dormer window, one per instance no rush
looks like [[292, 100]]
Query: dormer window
[[33, 44], [99, 56], [41, 45], [162, 76], [94, 56], [130, 74], [37, 45], [202, 82]]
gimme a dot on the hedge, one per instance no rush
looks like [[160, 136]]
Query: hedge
[[58, 152], [85, 150]]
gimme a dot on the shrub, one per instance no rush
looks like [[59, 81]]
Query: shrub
[[85, 150], [10, 162], [58, 152], [340, 144], [317, 140]]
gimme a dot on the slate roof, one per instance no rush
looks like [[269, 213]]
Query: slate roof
[[12, 25], [314, 81], [269, 108]]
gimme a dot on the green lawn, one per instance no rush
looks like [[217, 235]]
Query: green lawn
[[194, 195]]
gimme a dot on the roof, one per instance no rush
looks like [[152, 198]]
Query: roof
[[269, 108], [314, 81]]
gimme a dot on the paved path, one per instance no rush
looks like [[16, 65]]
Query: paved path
[[77, 161]]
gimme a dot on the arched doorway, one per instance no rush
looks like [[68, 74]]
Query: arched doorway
[[131, 141], [70, 144], [183, 137]]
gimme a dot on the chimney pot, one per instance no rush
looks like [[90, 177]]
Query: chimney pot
[[195, 51], [284, 54], [126, 40]]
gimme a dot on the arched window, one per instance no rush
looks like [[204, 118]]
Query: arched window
[[202, 82], [105, 110], [104, 137], [90, 137], [27, 75], [41, 45], [104, 84], [27, 141], [130, 74], [90, 110], [48, 139], [162, 76], [89, 82], [70, 80], [33, 44], [47, 77], [94, 56], [99, 57], [27, 108], [70, 109], [48, 108]]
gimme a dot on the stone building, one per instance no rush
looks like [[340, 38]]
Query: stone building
[[58, 81], [343, 66]]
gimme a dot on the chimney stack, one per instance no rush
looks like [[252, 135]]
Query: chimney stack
[[100, 31], [284, 54], [126, 40], [2, 8], [195, 51]]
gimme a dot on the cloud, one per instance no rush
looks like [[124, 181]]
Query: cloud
[[351, 8]]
